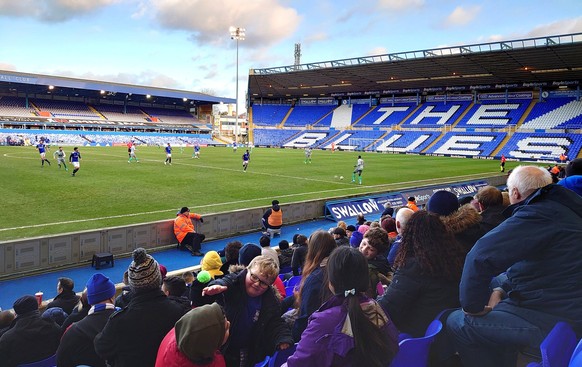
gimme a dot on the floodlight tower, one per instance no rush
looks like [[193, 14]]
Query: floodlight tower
[[238, 34]]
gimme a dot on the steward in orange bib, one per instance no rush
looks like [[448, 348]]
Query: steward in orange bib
[[273, 217], [185, 233]]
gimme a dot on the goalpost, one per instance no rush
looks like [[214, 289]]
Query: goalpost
[[363, 144]]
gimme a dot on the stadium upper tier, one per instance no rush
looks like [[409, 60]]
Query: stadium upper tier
[[100, 113]]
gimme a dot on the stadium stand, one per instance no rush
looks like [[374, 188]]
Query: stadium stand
[[65, 109], [436, 114], [269, 115], [386, 115], [555, 113], [541, 146], [406, 141], [272, 137], [467, 144], [14, 106], [307, 115], [494, 114]]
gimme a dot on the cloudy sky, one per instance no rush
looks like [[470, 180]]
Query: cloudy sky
[[185, 44]]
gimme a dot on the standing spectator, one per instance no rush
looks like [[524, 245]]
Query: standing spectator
[[428, 268], [66, 298], [60, 155], [411, 204], [75, 159], [299, 254], [76, 346], [168, 154], [42, 151], [174, 288], [231, 251], [358, 168], [349, 329], [313, 290], [196, 339], [539, 246], [185, 231], [285, 254], [30, 337], [132, 335], [374, 247], [253, 308], [273, 217]]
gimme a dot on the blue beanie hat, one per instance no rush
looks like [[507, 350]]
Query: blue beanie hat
[[56, 314], [356, 238], [247, 253], [99, 289], [443, 203]]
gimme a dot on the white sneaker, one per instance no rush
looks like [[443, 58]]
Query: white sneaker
[[165, 163]]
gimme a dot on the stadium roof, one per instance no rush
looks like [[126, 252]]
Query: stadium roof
[[12, 83], [545, 62]]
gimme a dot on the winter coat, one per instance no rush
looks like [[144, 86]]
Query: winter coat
[[539, 246], [573, 183], [29, 339], [464, 224], [413, 300], [132, 335], [67, 300], [76, 346], [325, 342], [491, 218], [313, 294], [269, 331], [298, 260]]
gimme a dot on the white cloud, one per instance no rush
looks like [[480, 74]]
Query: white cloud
[[266, 21], [377, 51], [9, 67], [462, 16], [400, 5], [564, 26], [51, 10]]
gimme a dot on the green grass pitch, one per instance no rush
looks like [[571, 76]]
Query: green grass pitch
[[108, 191]]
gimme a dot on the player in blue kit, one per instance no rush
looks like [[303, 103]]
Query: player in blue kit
[[42, 151], [246, 157], [168, 154], [196, 151], [75, 159]]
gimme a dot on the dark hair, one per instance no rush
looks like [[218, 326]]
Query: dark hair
[[434, 247], [176, 286], [231, 250], [6, 318], [265, 241], [283, 245], [295, 237], [347, 270], [301, 240], [66, 283], [320, 245], [489, 196], [465, 200]]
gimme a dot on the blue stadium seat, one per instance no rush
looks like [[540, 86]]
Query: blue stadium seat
[[576, 360], [281, 356], [557, 347], [48, 362], [413, 352]]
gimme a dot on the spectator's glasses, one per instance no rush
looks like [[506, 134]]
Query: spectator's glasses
[[256, 279]]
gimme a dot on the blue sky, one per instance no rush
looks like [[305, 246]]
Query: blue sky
[[185, 44]]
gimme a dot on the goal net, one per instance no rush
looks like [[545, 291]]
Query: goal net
[[363, 144]]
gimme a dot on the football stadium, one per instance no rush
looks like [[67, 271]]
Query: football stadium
[[420, 122]]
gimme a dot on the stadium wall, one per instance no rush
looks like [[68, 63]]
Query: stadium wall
[[36, 255]]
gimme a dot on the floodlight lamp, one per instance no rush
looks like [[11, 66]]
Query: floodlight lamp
[[148, 96], [102, 91], [51, 87], [184, 99]]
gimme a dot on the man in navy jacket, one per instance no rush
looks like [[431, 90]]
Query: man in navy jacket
[[539, 247]]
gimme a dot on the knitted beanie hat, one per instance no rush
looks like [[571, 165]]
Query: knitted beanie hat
[[200, 332], [247, 253], [99, 289], [25, 304], [144, 271], [442, 203]]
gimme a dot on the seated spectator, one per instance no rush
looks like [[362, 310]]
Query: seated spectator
[[411, 204], [253, 308], [339, 235], [357, 236], [231, 255], [389, 225], [428, 269], [188, 278], [539, 246], [6, 318], [388, 210], [573, 179], [313, 290], [76, 346], [30, 338], [349, 329], [273, 217], [56, 314], [489, 202], [267, 250], [185, 231], [66, 298], [463, 222], [402, 217], [349, 231], [196, 339], [210, 270], [342, 224], [80, 311], [125, 296], [360, 219], [126, 340], [174, 288], [465, 200], [299, 254], [374, 247], [285, 254]]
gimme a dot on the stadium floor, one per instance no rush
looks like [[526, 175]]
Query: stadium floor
[[172, 259]]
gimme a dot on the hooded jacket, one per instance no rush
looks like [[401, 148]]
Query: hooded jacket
[[573, 183], [539, 246], [195, 340], [464, 224], [183, 225]]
